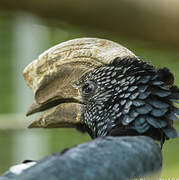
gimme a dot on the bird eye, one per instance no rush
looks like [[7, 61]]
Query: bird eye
[[88, 88]]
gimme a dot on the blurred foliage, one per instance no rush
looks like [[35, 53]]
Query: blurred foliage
[[59, 139], [6, 39]]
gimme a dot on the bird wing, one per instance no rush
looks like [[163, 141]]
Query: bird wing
[[104, 158]]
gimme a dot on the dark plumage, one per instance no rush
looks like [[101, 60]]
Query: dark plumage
[[99, 160], [166, 76], [129, 97]]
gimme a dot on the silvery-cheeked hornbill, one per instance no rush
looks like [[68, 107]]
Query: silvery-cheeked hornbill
[[102, 88]]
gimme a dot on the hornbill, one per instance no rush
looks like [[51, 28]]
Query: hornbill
[[101, 88]]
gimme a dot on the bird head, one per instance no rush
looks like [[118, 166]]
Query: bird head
[[101, 87]]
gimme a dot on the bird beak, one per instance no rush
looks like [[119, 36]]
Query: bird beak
[[54, 75]]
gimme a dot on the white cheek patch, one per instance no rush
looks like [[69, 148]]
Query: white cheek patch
[[17, 169]]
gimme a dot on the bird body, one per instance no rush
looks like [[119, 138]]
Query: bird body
[[103, 158], [101, 88]]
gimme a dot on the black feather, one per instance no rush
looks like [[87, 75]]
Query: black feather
[[129, 92], [165, 76]]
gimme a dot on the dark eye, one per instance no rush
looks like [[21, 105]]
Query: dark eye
[[88, 88]]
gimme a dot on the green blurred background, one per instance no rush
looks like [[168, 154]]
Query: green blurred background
[[23, 37]]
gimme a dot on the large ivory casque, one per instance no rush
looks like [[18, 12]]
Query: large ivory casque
[[53, 75]]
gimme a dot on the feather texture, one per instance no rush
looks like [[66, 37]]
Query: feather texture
[[107, 158]]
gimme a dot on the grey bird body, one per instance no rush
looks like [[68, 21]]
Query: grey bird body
[[107, 158]]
